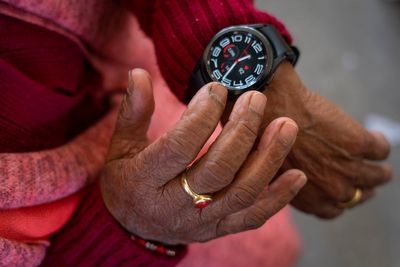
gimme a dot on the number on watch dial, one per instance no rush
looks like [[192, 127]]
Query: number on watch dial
[[237, 59]]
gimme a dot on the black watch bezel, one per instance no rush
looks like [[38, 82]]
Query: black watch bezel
[[262, 80], [277, 51]]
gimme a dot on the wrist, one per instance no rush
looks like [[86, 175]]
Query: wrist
[[288, 97], [195, 27]]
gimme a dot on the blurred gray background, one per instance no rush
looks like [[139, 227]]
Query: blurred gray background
[[351, 55]]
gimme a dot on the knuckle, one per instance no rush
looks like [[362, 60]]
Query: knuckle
[[205, 114], [337, 190], [282, 146], [218, 173], [284, 143], [246, 131], [255, 219], [273, 161], [222, 229], [373, 175], [179, 148], [346, 195], [243, 196], [357, 178], [253, 222], [343, 196]]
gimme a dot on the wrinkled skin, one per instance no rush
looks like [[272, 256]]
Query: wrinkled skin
[[336, 152], [141, 180]]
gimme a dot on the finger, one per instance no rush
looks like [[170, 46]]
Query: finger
[[216, 169], [258, 170], [366, 194], [273, 199], [312, 200], [180, 145], [369, 174], [377, 146], [327, 211], [337, 188], [134, 117]]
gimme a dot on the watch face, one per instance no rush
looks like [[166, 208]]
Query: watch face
[[238, 57]]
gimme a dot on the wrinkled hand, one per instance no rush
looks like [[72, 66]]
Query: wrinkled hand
[[336, 153], [141, 180]]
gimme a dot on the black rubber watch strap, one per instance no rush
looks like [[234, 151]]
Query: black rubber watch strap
[[196, 81], [282, 51]]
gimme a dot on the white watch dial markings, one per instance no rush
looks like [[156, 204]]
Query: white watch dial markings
[[237, 59], [224, 42], [215, 61], [216, 51]]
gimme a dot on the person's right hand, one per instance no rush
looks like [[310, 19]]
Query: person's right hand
[[141, 183]]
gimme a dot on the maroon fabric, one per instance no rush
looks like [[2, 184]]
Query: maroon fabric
[[93, 239], [48, 94], [45, 88]]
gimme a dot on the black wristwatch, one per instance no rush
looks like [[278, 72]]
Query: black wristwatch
[[242, 58]]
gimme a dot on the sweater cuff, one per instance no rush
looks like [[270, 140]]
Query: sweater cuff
[[94, 238], [182, 29]]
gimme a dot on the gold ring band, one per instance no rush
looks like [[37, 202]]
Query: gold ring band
[[354, 201], [199, 201]]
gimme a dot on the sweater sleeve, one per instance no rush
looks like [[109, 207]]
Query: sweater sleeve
[[181, 29], [94, 238]]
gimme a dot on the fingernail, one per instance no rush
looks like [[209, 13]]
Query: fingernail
[[299, 184], [129, 90], [258, 102], [288, 132], [218, 92]]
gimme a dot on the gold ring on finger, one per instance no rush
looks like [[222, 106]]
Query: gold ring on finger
[[352, 202], [199, 201]]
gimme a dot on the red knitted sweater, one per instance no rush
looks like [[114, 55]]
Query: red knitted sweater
[[180, 29]]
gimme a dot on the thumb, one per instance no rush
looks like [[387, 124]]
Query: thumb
[[134, 117]]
